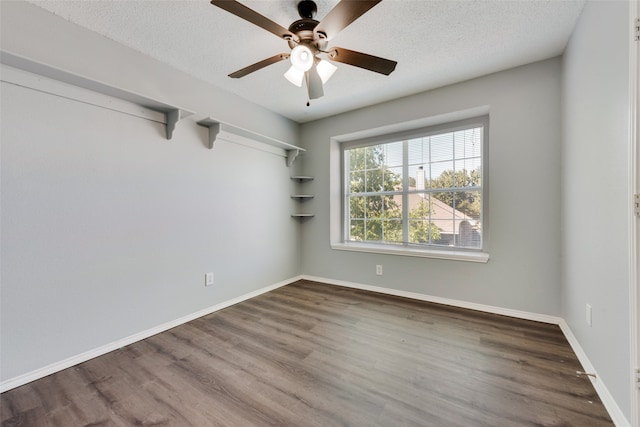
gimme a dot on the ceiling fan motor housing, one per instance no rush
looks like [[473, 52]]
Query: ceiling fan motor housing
[[304, 28]]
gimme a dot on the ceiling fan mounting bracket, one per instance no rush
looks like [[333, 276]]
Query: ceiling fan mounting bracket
[[307, 9]]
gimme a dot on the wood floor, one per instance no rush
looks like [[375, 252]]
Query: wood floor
[[310, 354]]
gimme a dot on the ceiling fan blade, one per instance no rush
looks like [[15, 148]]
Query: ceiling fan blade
[[362, 60], [314, 83], [258, 65], [343, 14], [252, 16]]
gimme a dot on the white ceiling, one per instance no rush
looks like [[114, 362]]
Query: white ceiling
[[436, 43]]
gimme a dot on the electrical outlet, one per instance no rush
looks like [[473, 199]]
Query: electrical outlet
[[379, 270], [208, 279], [588, 312]]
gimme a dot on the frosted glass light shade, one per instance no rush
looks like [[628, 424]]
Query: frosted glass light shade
[[295, 76], [301, 58], [326, 70]]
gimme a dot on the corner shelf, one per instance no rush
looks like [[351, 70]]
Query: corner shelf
[[302, 197]]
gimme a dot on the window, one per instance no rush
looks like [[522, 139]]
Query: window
[[421, 190]]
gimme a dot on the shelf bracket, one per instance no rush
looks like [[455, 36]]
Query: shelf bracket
[[173, 117], [214, 130], [291, 156], [232, 133]]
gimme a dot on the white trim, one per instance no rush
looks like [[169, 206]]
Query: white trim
[[439, 119], [598, 384], [83, 357], [482, 257], [440, 300], [634, 303]]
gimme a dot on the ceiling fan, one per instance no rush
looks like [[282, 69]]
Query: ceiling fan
[[308, 40]]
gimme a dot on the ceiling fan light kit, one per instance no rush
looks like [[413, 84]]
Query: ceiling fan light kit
[[308, 39], [295, 76], [301, 58], [326, 70]]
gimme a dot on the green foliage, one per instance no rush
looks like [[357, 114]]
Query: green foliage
[[420, 230], [467, 202], [379, 217]]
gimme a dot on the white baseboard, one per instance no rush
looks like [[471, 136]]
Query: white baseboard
[[607, 400], [439, 300], [609, 403], [83, 357]]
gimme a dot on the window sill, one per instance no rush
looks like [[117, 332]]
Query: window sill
[[481, 257]]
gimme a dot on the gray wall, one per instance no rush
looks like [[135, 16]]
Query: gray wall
[[524, 149], [107, 227], [595, 187]]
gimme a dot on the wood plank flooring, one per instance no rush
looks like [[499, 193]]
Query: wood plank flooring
[[311, 354]]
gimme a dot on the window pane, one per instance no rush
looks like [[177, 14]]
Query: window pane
[[356, 182], [438, 213], [374, 207], [418, 177], [442, 217], [441, 147], [468, 143], [373, 180], [393, 231], [356, 207], [392, 154], [373, 230], [442, 175], [418, 151], [468, 173], [356, 230], [393, 206], [423, 232], [356, 159], [393, 179], [468, 208], [468, 234], [419, 206], [467, 204]]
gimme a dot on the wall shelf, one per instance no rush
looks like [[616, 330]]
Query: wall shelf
[[302, 197], [303, 215], [228, 132], [172, 114]]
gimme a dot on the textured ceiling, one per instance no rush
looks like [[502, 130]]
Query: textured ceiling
[[436, 42]]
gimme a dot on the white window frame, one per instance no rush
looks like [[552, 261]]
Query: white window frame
[[339, 239]]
